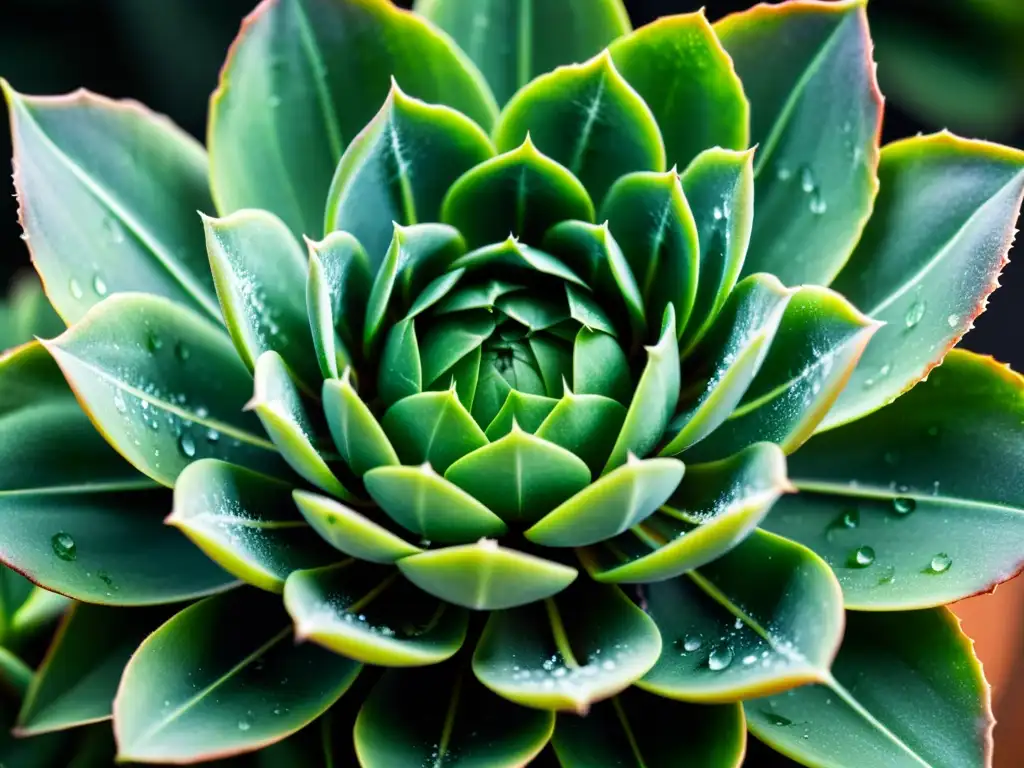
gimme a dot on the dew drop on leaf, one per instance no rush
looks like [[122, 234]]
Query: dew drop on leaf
[[119, 403], [244, 724], [903, 505], [807, 179], [692, 643], [888, 576], [99, 285], [182, 352], [953, 320], [914, 314], [153, 342], [64, 546], [187, 445], [717, 213], [114, 229], [720, 658], [775, 719], [818, 205], [940, 563], [76, 289], [861, 557], [783, 173]]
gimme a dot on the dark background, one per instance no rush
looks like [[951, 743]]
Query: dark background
[[956, 64]]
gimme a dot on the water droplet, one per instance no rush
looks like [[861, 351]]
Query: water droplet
[[783, 173], [187, 445], [940, 563], [64, 546], [153, 342], [884, 370], [850, 518], [76, 289], [119, 403], [776, 719], [182, 352], [717, 213], [914, 314], [807, 179], [903, 505], [861, 557], [245, 723], [953, 320], [114, 229], [847, 126], [888, 576], [692, 643], [212, 435], [818, 205], [720, 658], [99, 285]]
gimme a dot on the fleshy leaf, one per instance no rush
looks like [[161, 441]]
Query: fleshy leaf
[[521, 192], [420, 500], [818, 342], [245, 522], [207, 684], [520, 476], [929, 258], [636, 726], [525, 410], [371, 614], [278, 402], [518, 260], [585, 425], [514, 42], [400, 374], [441, 715], [728, 360], [486, 577], [359, 437], [352, 532], [816, 116], [588, 118], [260, 272], [432, 427], [765, 617], [622, 498], [652, 223], [448, 341], [288, 103], [905, 690], [715, 507], [678, 66], [97, 224], [399, 167], [586, 644], [78, 679], [918, 504], [600, 367]]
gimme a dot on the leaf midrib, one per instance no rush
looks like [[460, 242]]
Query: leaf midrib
[[886, 494], [83, 488]]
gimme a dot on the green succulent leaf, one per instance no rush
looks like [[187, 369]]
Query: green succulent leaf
[[727, 361], [929, 258], [636, 728], [208, 683], [766, 617], [78, 679], [432, 427], [804, 66], [260, 272], [97, 224], [521, 477], [245, 522], [600, 367], [714, 508], [586, 644], [351, 532], [485, 576], [687, 79], [518, 260], [279, 404], [521, 192], [905, 691], [514, 42], [15, 676], [358, 435], [624, 497], [448, 342], [588, 118], [420, 500], [371, 614], [440, 715], [918, 504], [521, 409], [76, 517], [651, 220], [817, 344], [289, 100], [337, 288], [398, 168], [400, 374], [27, 313], [585, 425]]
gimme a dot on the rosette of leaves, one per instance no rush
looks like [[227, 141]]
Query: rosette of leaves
[[527, 390]]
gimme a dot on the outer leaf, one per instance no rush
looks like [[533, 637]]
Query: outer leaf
[[357, 434], [715, 507], [75, 516], [679, 67], [260, 273], [353, 533], [588, 643], [78, 678], [208, 683], [400, 373], [586, 117], [766, 617], [288, 105], [522, 192], [652, 222], [619, 500], [440, 715], [484, 576], [930, 280], [806, 65], [399, 167], [819, 340], [370, 614], [432, 427], [905, 691], [639, 729], [918, 504], [245, 523], [586, 425], [514, 42], [135, 220]]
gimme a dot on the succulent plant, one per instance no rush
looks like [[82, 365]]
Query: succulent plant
[[528, 390]]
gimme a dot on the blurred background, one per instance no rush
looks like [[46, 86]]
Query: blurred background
[[954, 64]]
